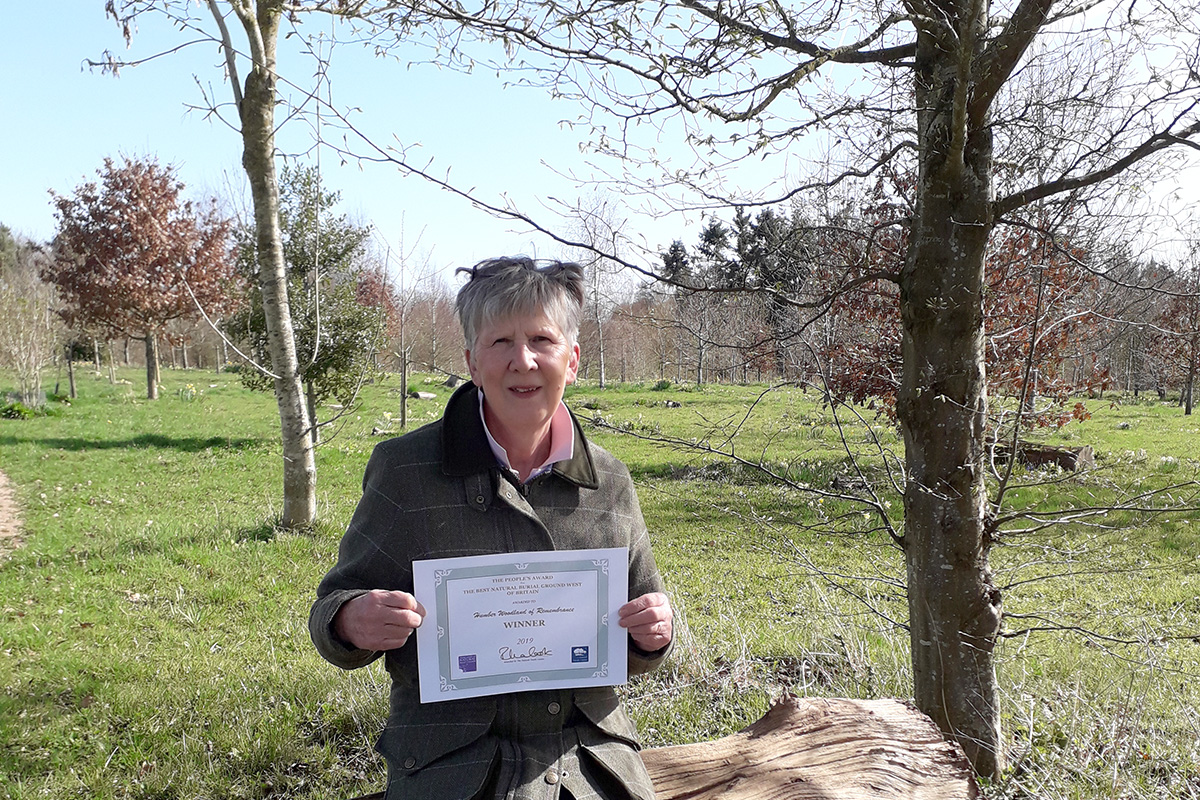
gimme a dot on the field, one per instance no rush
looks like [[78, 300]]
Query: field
[[153, 639]]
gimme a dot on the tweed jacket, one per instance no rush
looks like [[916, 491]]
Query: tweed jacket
[[438, 492]]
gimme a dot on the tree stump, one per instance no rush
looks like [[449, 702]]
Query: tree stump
[[819, 749]]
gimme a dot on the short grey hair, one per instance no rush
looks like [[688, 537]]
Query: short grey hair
[[502, 287]]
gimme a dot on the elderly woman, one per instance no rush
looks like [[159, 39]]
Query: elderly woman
[[506, 469]]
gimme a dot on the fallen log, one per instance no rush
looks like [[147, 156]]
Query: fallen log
[[817, 749], [1068, 459]]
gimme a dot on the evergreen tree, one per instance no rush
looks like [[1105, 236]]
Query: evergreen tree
[[676, 263], [337, 335]]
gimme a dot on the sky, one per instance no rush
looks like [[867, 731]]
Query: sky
[[506, 144], [63, 120]]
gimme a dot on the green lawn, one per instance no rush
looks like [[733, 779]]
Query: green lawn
[[153, 638]]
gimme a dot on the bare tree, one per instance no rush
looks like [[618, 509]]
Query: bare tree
[[32, 331], [598, 225]]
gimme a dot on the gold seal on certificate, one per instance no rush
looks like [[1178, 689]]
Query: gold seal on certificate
[[517, 622]]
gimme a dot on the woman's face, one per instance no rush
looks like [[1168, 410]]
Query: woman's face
[[523, 363]]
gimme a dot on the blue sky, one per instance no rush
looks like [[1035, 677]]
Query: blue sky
[[62, 120]]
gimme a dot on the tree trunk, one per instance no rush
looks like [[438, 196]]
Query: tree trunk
[[71, 372], [258, 159], [600, 342], [954, 606], [1191, 376], [96, 353], [403, 388], [310, 402], [112, 364], [152, 376]]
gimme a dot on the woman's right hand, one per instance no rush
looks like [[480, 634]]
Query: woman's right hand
[[378, 620]]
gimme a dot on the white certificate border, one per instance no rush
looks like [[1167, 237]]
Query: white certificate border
[[597, 561]]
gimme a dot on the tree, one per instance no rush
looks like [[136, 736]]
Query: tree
[[597, 225], [1177, 335], [130, 256], [32, 332], [948, 90], [437, 341], [338, 330], [254, 105]]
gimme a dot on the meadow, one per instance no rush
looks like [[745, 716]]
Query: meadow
[[153, 639]]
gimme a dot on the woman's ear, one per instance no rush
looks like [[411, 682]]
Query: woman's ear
[[573, 364], [470, 366]]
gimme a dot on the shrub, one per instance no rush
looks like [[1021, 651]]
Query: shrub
[[16, 410]]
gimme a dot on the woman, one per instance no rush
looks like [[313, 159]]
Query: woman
[[506, 469]]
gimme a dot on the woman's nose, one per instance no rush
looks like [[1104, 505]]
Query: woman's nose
[[523, 358]]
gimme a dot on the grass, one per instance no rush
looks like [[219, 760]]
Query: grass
[[153, 638]]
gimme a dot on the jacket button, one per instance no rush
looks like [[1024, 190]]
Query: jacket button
[[479, 499], [410, 762], [554, 708], [551, 777]]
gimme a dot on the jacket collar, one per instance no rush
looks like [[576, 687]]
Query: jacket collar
[[465, 449]]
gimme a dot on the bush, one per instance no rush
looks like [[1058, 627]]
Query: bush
[[16, 410], [661, 386]]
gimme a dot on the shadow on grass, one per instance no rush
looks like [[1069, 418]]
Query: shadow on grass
[[184, 444]]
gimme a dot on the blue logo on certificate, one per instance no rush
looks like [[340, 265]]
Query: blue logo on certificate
[[579, 655], [467, 663]]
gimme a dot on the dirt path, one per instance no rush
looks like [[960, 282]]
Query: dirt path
[[10, 519]]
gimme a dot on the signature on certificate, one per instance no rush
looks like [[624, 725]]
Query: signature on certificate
[[532, 654]]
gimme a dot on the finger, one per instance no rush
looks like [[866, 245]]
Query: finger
[[384, 642], [659, 628], [401, 600], [645, 617], [654, 638], [409, 620], [650, 600]]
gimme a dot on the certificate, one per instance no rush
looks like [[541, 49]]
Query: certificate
[[516, 622]]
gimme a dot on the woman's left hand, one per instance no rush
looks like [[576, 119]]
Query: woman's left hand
[[649, 620]]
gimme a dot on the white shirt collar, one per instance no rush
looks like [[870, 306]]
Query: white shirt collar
[[562, 440]]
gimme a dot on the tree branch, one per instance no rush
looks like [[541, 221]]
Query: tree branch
[[1155, 144], [996, 65]]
